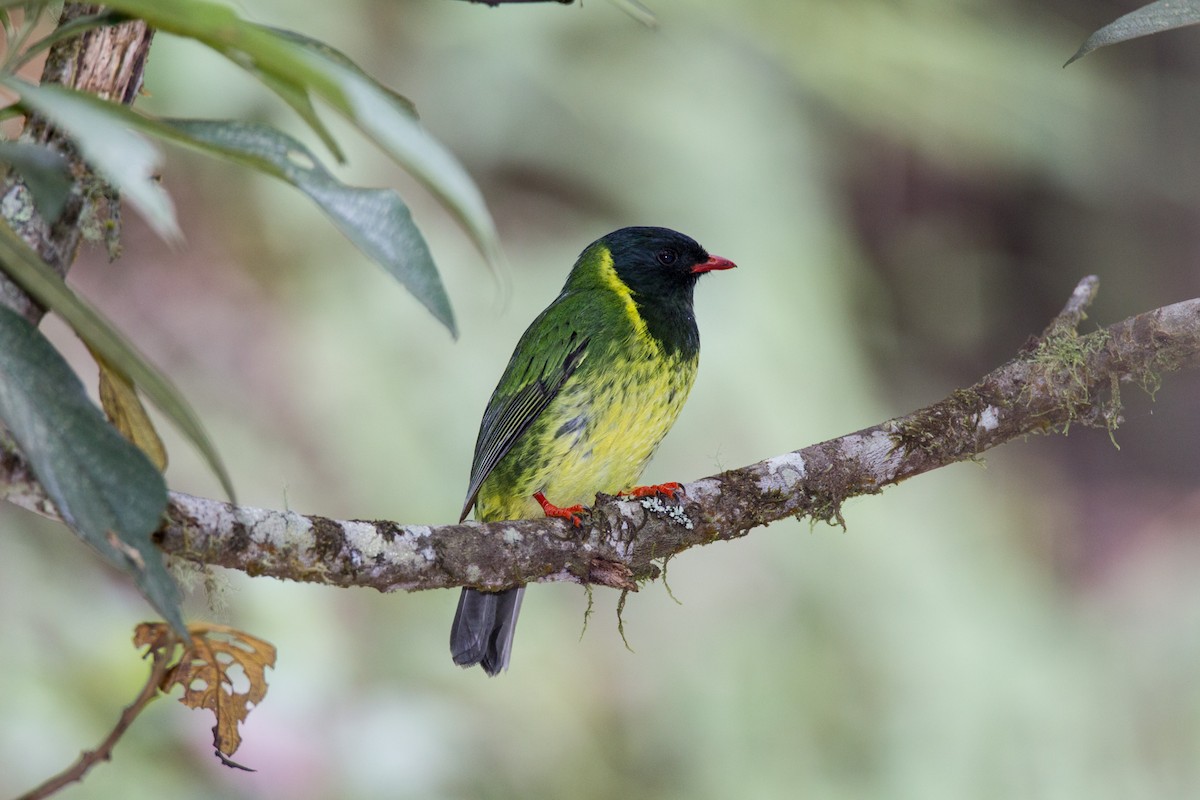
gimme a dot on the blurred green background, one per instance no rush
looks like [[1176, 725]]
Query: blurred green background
[[911, 190]]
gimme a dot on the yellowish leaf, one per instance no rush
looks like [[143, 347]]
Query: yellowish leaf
[[125, 411]]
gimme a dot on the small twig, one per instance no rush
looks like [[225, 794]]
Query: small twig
[[494, 3], [1074, 312], [103, 752]]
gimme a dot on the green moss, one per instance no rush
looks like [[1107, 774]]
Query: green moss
[[1064, 361], [587, 612], [1068, 352], [945, 431], [825, 508], [666, 585], [621, 618], [1151, 381], [100, 216], [18, 206]]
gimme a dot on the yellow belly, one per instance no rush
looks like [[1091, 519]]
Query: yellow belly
[[596, 436]]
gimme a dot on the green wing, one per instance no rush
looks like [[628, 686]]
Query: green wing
[[547, 355]]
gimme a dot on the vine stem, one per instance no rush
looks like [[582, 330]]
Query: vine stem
[[103, 751]]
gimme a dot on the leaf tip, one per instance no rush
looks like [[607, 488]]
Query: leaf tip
[[1083, 50], [450, 323]]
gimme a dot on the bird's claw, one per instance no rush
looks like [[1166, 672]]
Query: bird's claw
[[668, 489], [574, 513]]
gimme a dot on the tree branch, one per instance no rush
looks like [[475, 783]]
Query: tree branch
[[1059, 379], [107, 62]]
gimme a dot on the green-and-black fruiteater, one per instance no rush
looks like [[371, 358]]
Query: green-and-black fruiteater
[[593, 386]]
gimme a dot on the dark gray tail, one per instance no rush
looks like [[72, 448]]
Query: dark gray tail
[[483, 628]]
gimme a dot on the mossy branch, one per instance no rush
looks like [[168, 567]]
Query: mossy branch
[[1059, 379]]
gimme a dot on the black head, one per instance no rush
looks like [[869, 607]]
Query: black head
[[659, 263], [660, 268]]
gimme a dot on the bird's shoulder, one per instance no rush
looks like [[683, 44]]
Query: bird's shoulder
[[591, 318]]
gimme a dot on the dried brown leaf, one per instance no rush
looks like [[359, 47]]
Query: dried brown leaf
[[207, 671]]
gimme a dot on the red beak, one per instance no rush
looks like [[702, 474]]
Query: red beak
[[714, 262]]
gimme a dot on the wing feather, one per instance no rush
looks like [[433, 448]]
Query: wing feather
[[520, 399]]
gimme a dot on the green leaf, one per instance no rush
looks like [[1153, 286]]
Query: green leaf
[[44, 285], [44, 171], [376, 220], [1163, 15], [122, 157], [333, 54], [106, 489], [377, 111], [297, 97]]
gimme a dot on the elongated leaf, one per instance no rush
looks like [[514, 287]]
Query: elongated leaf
[[370, 108], [375, 110], [36, 278], [333, 54], [106, 489], [125, 412], [298, 98], [122, 157], [1157, 17], [376, 220], [45, 173]]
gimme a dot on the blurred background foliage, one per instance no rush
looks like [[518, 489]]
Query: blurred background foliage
[[911, 190]]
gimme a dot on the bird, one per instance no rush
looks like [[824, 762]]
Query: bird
[[591, 389]]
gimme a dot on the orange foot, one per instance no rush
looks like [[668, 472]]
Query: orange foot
[[669, 489], [573, 513]]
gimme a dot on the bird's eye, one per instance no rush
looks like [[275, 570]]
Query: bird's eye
[[667, 256]]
